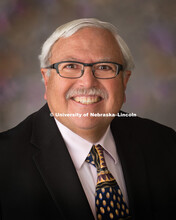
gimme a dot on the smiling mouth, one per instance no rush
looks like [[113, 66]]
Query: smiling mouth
[[87, 100]]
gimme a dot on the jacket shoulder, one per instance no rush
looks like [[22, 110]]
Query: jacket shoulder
[[143, 130], [24, 127], [138, 123], [18, 133]]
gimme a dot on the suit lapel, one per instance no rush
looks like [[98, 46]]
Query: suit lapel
[[56, 168], [133, 165]]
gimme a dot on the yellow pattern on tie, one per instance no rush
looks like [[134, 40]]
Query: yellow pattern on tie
[[109, 200]]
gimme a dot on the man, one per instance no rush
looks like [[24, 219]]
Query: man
[[45, 162]]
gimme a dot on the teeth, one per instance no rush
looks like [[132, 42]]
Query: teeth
[[86, 100]]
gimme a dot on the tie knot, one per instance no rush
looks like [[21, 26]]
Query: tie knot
[[96, 157]]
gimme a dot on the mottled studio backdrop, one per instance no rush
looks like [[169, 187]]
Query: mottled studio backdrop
[[149, 28]]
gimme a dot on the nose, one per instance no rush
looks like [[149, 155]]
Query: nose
[[88, 80]]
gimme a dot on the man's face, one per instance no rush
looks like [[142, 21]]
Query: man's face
[[88, 45]]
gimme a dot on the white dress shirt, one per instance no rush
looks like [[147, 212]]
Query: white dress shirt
[[79, 149]]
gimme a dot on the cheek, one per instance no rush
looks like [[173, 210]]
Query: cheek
[[56, 86], [56, 91], [116, 94], [115, 88]]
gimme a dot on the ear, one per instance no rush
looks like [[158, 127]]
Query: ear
[[45, 79], [126, 77]]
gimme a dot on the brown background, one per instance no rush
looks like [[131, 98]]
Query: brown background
[[149, 28]]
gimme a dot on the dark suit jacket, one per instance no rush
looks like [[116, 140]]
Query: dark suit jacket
[[38, 179]]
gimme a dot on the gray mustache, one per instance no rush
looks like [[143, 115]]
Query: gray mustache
[[83, 91]]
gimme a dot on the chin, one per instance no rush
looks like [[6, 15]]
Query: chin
[[90, 123], [85, 123]]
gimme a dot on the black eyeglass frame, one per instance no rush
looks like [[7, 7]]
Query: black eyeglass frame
[[55, 66]]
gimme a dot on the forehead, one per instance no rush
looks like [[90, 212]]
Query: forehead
[[88, 41]]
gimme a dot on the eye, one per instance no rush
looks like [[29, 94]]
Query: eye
[[70, 66], [67, 66], [104, 67]]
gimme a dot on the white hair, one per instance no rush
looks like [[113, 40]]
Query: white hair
[[70, 28]]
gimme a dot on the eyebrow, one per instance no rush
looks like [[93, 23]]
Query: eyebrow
[[100, 60]]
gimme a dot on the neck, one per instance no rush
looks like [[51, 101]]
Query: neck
[[93, 136]]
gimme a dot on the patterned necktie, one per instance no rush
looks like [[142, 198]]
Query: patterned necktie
[[109, 200]]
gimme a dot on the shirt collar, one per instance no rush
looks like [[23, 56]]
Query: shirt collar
[[79, 148], [107, 142]]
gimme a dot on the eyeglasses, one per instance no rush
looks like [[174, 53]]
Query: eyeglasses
[[74, 69]]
